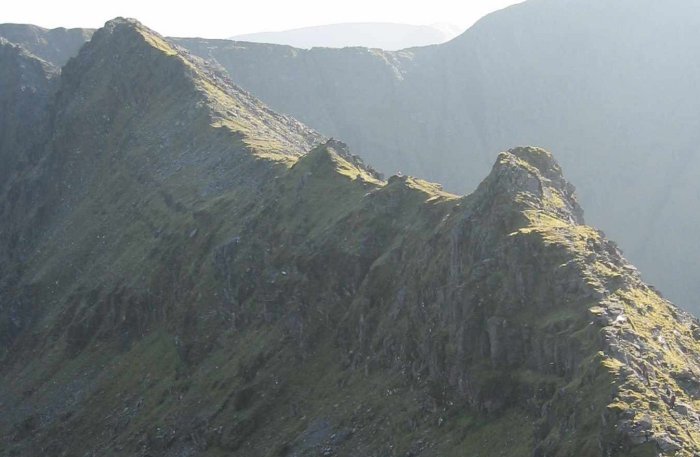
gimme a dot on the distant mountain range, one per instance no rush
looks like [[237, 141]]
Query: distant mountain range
[[381, 35]]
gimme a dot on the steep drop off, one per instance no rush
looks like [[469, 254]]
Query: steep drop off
[[195, 283]]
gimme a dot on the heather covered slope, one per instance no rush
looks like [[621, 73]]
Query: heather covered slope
[[196, 284], [610, 86]]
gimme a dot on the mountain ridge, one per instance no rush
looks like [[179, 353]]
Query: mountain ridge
[[609, 95], [306, 305]]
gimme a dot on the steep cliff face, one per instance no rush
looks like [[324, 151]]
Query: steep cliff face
[[27, 84], [26, 87], [194, 283], [609, 86]]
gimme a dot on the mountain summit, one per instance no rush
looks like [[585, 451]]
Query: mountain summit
[[186, 272]]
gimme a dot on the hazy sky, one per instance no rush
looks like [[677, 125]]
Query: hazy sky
[[218, 18]]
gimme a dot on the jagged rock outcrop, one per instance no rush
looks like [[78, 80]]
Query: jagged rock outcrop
[[202, 285]]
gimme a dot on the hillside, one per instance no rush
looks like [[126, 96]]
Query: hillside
[[188, 280]]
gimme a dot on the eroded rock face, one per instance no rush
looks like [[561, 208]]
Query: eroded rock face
[[200, 285]]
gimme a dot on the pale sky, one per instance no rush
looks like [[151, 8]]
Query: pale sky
[[221, 19]]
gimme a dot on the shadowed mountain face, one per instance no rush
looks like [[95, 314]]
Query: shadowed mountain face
[[26, 84], [52, 45], [190, 273], [612, 87]]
